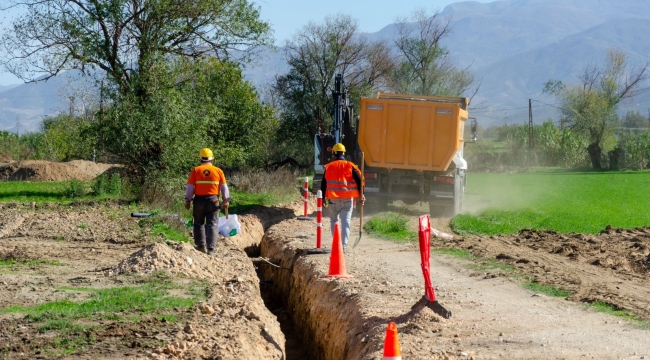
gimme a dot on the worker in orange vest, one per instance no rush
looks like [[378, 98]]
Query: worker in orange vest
[[342, 182], [204, 185]]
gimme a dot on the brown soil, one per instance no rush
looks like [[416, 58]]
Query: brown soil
[[102, 247], [40, 170]]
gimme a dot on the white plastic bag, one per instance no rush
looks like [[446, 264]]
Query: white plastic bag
[[229, 227]]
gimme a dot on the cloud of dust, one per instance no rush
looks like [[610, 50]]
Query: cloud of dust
[[508, 192]]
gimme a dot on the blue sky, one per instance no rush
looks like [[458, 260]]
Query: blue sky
[[288, 16]]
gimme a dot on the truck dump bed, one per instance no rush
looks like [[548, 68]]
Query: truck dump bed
[[411, 131]]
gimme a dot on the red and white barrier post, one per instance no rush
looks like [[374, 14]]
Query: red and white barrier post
[[319, 218], [306, 202], [429, 298], [306, 196]]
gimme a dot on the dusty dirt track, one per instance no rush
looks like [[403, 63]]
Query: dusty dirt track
[[99, 246]]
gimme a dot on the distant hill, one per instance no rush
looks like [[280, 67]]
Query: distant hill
[[483, 33], [513, 46], [509, 83], [29, 103], [7, 87]]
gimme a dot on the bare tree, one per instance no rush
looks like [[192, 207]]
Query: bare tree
[[315, 55], [423, 64]]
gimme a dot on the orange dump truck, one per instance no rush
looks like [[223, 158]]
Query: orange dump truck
[[413, 149]]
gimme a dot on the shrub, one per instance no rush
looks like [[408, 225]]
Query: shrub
[[75, 189]]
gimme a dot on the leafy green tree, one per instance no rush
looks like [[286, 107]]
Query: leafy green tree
[[65, 138], [590, 107], [315, 55], [214, 107], [635, 147], [423, 64]]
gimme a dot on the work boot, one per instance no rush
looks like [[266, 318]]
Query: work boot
[[345, 249], [201, 249], [210, 252]]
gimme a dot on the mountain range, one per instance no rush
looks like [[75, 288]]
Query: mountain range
[[513, 47]]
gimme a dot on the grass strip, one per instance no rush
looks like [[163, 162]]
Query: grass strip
[[478, 263], [546, 289], [28, 262], [113, 303], [609, 309], [50, 191], [391, 226]]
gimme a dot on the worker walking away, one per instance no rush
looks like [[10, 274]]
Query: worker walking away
[[342, 182], [204, 185]]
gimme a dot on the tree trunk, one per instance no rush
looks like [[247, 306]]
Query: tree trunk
[[594, 154]]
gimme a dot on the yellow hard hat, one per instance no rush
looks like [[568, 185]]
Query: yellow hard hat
[[338, 148], [206, 154]]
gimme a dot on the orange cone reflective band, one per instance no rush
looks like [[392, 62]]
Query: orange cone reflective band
[[337, 261], [392, 350]]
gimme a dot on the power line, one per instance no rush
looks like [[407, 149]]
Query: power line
[[493, 110]]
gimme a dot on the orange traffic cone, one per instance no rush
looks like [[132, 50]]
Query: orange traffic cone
[[392, 350], [337, 261]]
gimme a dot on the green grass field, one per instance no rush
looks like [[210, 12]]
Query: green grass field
[[580, 202], [41, 192]]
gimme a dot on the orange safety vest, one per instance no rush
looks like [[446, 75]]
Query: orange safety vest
[[206, 179], [340, 183]]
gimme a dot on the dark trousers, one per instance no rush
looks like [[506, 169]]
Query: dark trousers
[[206, 222]]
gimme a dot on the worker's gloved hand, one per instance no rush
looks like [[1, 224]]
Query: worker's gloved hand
[[362, 200], [225, 204], [325, 203], [187, 205]]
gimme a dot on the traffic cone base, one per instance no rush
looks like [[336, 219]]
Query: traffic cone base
[[392, 350], [337, 260]]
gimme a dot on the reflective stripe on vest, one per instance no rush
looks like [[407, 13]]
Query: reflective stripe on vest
[[208, 182], [340, 183]]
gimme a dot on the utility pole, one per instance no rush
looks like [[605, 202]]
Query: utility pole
[[531, 128], [71, 105], [101, 113]]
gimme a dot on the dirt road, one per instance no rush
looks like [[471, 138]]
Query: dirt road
[[494, 316]]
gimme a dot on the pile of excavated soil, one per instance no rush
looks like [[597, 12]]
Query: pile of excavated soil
[[40, 170], [178, 259]]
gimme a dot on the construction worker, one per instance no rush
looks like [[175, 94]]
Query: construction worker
[[204, 185], [342, 182]]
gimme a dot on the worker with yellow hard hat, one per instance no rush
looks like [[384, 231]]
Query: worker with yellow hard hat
[[342, 182], [204, 185]]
